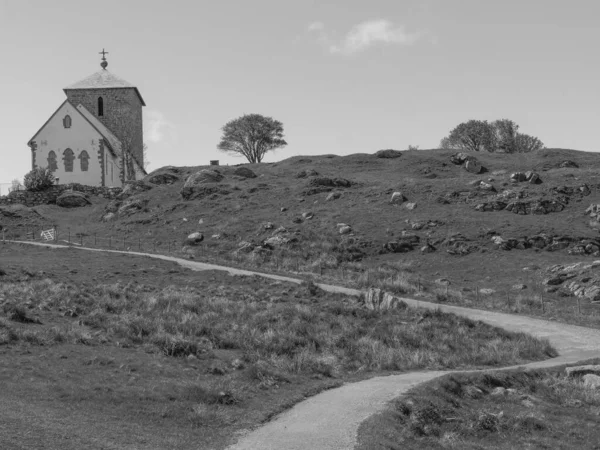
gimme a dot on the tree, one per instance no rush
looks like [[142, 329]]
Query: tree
[[478, 135], [252, 135], [526, 143], [38, 179], [15, 185], [505, 135], [474, 135]]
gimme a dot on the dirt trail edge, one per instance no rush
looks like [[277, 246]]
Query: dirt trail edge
[[330, 420]]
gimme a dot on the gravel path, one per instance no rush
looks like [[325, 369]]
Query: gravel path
[[330, 420]]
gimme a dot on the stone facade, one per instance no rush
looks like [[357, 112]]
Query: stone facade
[[122, 114], [49, 196]]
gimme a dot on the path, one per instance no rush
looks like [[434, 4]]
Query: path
[[330, 420]]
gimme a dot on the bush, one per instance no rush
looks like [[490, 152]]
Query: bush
[[38, 179]]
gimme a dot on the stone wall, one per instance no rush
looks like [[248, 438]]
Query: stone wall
[[49, 196]]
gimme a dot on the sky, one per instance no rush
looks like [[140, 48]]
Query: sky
[[343, 76]]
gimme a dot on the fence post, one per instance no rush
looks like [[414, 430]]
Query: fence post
[[109, 241], [81, 239], [542, 298], [69, 235], [139, 244], [477, 292], [3, 236], [55, 233], [507, 299], [579, 305]]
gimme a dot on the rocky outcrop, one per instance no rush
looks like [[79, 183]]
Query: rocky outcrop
[[163, 178], [72, 199], [134, 187], [307, 173], [388, 154], [470, 163], [576, 246], [132, 206], [244, 172], [194, 239], [49, 196], [530, 176], [579, 279], [195, 185], [330, 182], [378, 300]]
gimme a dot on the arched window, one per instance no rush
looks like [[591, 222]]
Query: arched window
[[100, 107], [52, 160], [68, 157], [67, 121], [84, 158]]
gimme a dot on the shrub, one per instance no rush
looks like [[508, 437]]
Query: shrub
[[38, 179]]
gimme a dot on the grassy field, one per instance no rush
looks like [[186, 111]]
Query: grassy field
[[490, 410], [203, 355]]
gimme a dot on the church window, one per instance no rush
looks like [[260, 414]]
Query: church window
[[52, 160], [84, 158], [68, 157], [100, 106], [67, 121]]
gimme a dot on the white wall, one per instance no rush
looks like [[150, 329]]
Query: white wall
[[79, 137]]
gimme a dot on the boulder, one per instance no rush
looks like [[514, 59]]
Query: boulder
[[411, 205], [519, 287], [579, 371], [307, 215], [330, 182], [518, 177], [278, 240], [199, 181], [397, 198], [378, 300], [333, 196], [591, 381], [458, 158], [108, 217], [533, 178], [307, 173], [72, 199], [345, 229], [487, 291], [593, 210], [388, 154], [473, 166], [163, 178], [245, 247], [244, 172], [194, 238], [400, 246], [486, 187], [427, 248], [568, 163]]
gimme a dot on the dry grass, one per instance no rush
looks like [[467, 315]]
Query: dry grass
[[495, 410]]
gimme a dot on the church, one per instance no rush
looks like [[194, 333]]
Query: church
[[96, 136]]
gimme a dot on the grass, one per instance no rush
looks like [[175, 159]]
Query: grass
[[490, 410], [303, 331]]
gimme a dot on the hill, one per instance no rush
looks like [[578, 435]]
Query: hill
[[474, 231]]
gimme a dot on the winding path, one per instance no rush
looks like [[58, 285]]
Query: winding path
[[330, 420]]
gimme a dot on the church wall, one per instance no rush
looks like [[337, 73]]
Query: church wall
[[119, 103], [79, 137]]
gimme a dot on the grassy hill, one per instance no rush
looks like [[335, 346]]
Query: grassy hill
[[445, 236]]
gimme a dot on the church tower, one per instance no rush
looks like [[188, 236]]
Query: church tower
[[116, 103]]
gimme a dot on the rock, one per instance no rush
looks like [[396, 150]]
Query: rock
[[498, 391], [486, 187], [400, 246], [108, 217], [307, 173], [133, 187], [194, 238], [428, 248], [568, 163], [591, 381], [268, 226], [333, 196], [410, 206], [579, 371], [388, 154], [280, 230], [458, 158], [397, 198], [487, 291], [330, 182], [132, 206], [345, 229], [196, 183], [519, 287], [499, 172], [237, 364], [307, 215], [278, 240], [518, 177], [593, 210], [163, 178], [244, 172], [72, 199], [443, 281], [283, 209], [245, 247], [473, 166], [377, 300]]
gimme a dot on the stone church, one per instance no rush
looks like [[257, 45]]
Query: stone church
[[95, 137]]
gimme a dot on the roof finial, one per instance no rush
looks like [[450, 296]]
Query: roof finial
[[103, 63]]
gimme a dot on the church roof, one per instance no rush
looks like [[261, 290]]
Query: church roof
[[103, 79]]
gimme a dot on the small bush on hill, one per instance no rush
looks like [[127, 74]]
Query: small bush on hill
[[38, 179]]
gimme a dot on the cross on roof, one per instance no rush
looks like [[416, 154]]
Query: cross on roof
[[103, 53]]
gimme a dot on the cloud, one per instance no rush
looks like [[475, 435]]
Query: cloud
[[365, 35], [157, 128]]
